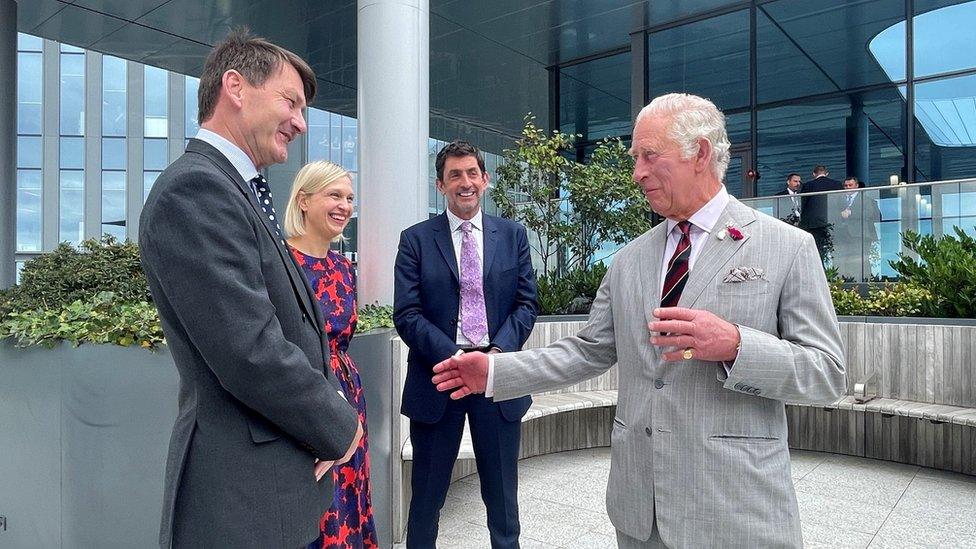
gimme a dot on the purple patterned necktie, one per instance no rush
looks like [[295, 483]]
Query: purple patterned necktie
[[474, 322]]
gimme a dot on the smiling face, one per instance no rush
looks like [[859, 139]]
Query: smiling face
[[328, 211], [463, 185], [675, 187], [272, 116]]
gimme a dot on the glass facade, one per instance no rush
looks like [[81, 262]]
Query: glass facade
[[865, 88]]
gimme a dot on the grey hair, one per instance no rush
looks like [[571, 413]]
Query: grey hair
[[691, 118]]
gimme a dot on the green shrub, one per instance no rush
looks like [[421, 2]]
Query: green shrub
[[68, 274], [101, 319], [572, 293], [374, 316], [846, 302], [946, 268], [898, 299]]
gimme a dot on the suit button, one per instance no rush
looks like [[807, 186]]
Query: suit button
[[658, 383], [647, 430]]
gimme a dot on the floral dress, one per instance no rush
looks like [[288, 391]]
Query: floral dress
[[348, 524]]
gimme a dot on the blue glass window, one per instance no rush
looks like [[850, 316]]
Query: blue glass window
[[113, 96]]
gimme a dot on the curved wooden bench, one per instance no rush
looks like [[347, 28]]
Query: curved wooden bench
[[911, 397]]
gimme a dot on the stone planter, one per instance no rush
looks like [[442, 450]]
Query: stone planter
[[84, 434]]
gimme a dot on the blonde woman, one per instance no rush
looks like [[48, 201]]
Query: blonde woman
[[319, 209]]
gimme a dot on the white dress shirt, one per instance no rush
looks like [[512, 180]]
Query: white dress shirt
[[237, 157], [478, 232]]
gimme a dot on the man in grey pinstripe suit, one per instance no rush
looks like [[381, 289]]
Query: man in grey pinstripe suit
[[699, 452]]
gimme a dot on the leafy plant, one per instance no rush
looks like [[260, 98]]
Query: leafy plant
[[569, 208], [605, 203], [374, 316], [898, 299], [555, 294], [530, 185], [102, 319], [572, 293], [846, 302], [68, 274], [946, 267]]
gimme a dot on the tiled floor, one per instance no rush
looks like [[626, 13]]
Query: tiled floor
[[844, 502]]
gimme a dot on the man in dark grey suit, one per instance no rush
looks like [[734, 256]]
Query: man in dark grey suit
[[815, 219], [260, 419]]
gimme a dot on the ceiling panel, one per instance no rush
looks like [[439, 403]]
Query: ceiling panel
[[77, 26], [129, 10]]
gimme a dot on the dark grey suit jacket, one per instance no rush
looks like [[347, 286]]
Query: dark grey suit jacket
[[255, 405]]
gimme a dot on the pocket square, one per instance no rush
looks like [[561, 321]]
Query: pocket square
[[742, 274]]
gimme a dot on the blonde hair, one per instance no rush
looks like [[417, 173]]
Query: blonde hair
[[312, 178]]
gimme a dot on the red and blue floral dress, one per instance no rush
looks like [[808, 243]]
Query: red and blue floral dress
[[348, 524]]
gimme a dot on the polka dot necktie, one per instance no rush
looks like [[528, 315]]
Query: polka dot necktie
[[263, 192]]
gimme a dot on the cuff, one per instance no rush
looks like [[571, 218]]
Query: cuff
[[490, 384]]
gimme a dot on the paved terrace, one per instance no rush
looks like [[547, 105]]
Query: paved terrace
[[845, 502]]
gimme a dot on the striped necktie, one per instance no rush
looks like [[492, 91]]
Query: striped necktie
[[674, 280]]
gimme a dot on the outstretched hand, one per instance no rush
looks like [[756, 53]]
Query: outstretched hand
[[467, 373]]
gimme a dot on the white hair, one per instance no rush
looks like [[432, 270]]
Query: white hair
[[691, 118]]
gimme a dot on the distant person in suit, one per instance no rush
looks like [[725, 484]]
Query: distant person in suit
[[856, 233], [464, 284], [815, 219], [715, 318], [261, 418], [792, 190]]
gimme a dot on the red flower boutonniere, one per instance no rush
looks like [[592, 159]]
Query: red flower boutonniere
[[732, 231]]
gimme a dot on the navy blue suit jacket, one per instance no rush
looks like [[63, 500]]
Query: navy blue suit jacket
[[427, 299]]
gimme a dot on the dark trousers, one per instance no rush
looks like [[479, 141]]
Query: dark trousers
[[435, 448]]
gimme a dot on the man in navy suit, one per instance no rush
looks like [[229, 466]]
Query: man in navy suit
[[464, 282]]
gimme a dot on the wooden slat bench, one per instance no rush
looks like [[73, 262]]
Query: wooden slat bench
[[911, 397]]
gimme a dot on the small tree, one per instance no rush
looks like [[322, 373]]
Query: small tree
[[529, 185], [605, 203], [570, 207]]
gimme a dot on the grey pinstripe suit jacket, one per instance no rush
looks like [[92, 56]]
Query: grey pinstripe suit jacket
[[701, 452]]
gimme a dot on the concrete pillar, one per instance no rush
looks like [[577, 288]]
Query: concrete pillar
[[393, 110], [8, 143]]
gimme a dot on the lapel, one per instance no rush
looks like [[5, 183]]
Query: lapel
[[716, 253], [490, 231], [298, 282], [651, 256], [442, 236]]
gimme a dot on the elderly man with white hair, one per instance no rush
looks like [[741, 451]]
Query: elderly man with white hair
[[715, 318]]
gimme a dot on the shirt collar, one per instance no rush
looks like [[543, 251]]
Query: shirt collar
[[237, 157], [708, 215], [456, 221]]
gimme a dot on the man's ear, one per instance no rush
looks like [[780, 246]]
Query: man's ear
[[703, 160], [232, 85]]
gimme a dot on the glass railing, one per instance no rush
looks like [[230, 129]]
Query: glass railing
[[859, 232]]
